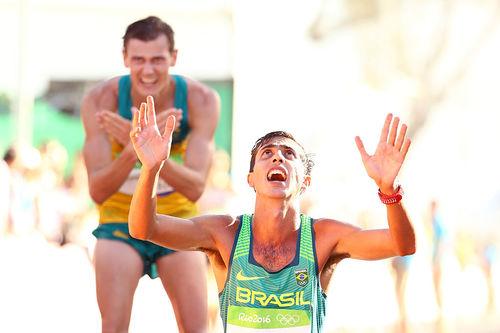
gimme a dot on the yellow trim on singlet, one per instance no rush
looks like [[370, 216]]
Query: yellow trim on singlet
[[116, 208]]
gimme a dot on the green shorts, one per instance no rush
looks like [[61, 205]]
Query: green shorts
[[148, 251]]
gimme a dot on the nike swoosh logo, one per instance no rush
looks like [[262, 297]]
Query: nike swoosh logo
[[242, 277]]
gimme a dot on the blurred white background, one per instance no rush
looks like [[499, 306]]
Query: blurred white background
[[325, 70]]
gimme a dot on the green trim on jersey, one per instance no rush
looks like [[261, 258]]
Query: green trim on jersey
[[290, 300]]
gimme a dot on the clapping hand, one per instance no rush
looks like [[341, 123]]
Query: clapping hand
[[119, 128]]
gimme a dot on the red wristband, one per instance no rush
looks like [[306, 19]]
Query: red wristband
[[393, 198]]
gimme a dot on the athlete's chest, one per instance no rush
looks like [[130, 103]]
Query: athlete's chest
[[274, 258]]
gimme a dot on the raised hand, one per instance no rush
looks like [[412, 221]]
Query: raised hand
[[151, 147], [384, 165]]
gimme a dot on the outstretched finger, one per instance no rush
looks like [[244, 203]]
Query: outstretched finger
[[401, 137], [142, 116], [361, 148], [135, 118], [394, 131], [406, 146], [169, 127], [134, 131], [385, 129], [151, 111]]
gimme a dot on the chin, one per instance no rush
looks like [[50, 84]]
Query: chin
[[278, 194]]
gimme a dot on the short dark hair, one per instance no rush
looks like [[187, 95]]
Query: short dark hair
[[306, 158], [149, 29]]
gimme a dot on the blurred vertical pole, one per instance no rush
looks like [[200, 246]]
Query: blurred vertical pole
[[24, 102]]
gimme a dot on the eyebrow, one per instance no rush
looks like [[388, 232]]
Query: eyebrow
[[271, 145]]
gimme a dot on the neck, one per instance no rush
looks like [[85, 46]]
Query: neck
[[275, 221]]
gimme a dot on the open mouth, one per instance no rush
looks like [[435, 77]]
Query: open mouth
[[148, 81], [276, 175]]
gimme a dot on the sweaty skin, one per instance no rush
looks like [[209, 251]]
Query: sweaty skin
[[279, 179]]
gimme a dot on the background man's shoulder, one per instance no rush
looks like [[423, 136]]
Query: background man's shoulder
[[198, 92], [105, 88], [104, 95]]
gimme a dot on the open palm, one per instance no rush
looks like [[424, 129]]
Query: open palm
[[151, 147], [384, 165]]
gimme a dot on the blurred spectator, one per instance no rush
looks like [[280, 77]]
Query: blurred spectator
[[437, 234], [488, 256], [80, 214], [52, 197], [400, 267], [465, 248], [25, 188], [6, 191]]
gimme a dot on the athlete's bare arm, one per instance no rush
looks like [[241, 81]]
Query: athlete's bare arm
[[172, 232], [105, 174], [212, 234], [153, 149], [190, 178], [340, 240]]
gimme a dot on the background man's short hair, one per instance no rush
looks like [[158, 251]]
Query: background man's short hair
[[149, 29]]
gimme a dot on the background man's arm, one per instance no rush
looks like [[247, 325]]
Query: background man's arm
[[105, 175], [190, 178]]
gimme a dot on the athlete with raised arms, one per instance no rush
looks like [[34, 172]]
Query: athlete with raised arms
[[273, 266]]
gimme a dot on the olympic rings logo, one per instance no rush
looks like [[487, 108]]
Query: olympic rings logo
[[287, 319]]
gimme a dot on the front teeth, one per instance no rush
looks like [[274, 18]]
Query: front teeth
[[276, 172]]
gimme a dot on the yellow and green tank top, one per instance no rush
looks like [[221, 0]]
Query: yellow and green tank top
[[290, 300], [116, 208]]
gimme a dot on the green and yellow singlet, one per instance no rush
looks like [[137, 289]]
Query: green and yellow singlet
[[255, 300], [116, 208]]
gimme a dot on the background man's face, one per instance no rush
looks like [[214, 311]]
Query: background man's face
[[149, 64]]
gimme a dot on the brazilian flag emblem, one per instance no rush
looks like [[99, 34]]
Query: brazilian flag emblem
[[302, 277]]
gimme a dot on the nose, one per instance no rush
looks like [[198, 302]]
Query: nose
[[147, 68], [278, 157]]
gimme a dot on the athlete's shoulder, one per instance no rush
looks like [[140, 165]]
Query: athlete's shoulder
[[223, 221], [328, 232], [222, 227], [104, 94], [199, 94], [325, 226], [109, 86]]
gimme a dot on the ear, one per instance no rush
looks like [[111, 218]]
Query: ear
[[305, 183], [125, 60], [250, 180], [173, 58]]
